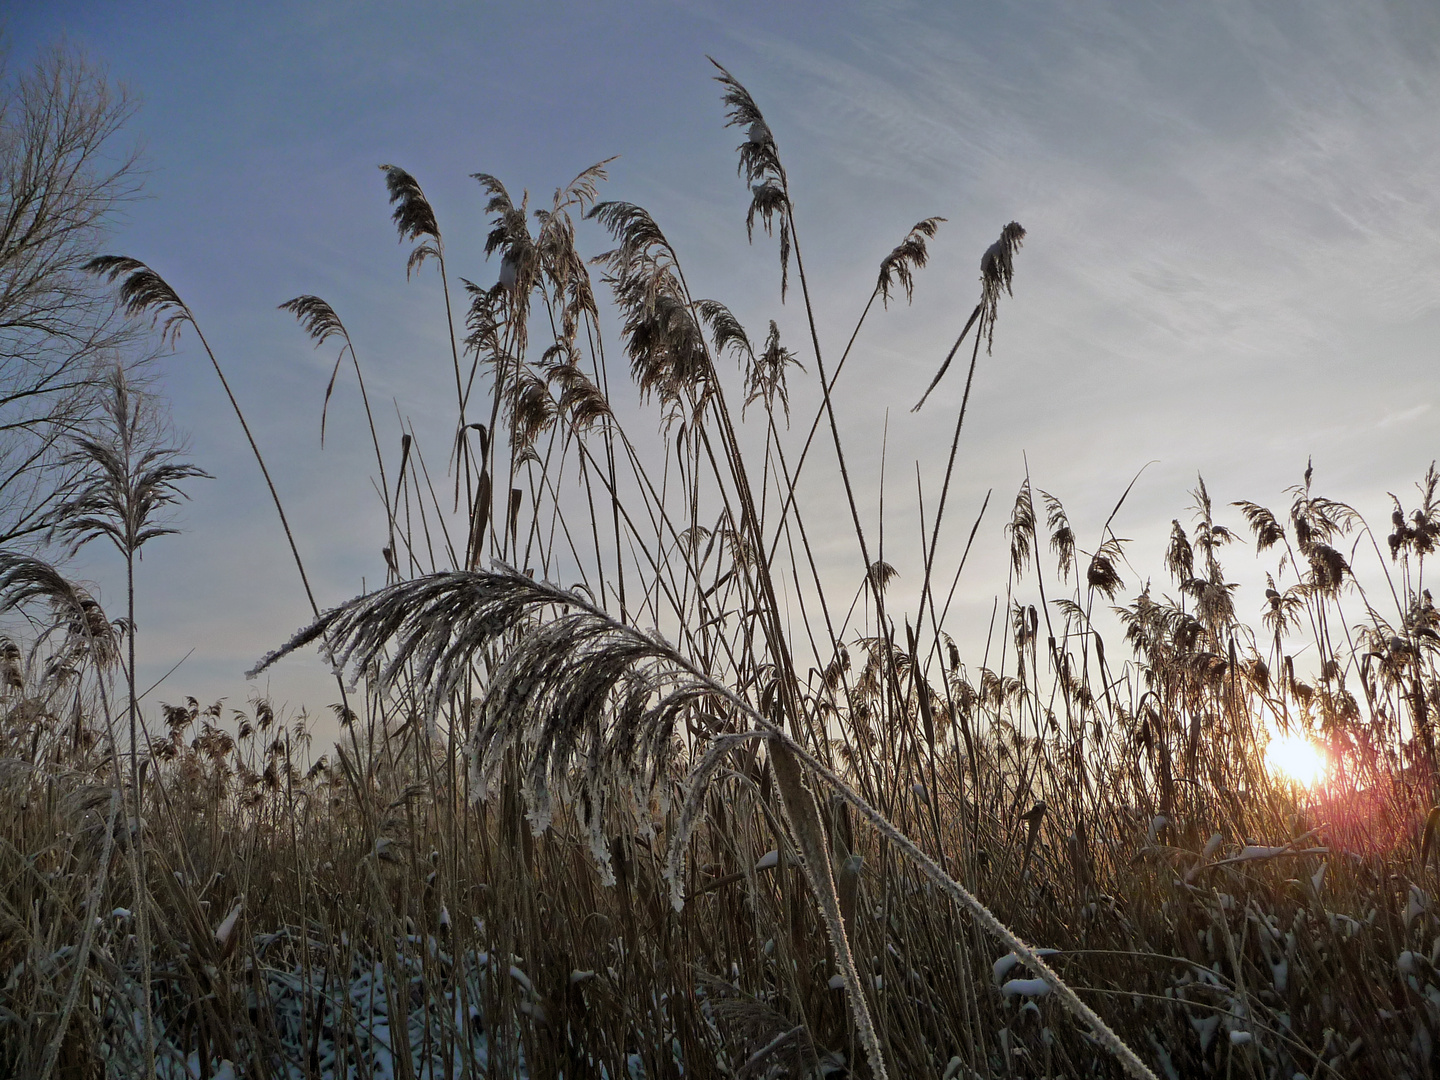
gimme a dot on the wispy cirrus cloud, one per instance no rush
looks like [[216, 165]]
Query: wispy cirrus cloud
[[1233, 242]]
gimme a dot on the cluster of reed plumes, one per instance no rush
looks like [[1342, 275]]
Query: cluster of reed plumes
[[639, 824]]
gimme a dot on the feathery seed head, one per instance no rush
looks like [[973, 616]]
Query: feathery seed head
[[143, 291], [907, 257], [413, 215], [997, 274]]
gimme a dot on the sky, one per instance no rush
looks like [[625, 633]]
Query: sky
[[1231, 263]]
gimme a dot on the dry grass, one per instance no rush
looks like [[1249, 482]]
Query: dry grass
[[762, 834]]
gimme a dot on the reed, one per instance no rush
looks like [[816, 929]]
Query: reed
[[703, 809]]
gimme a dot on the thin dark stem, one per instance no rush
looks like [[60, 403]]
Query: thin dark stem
[[259, 460], [130, 670], [375, 439], [948, 357], [819, 415], [949, 465], [829, 406]]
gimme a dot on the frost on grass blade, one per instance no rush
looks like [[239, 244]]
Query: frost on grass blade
[[1025, 988], [1006, 963]]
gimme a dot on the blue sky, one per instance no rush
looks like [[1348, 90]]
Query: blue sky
[[1233, 250]]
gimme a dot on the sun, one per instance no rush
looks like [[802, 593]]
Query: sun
[[1298, 759]]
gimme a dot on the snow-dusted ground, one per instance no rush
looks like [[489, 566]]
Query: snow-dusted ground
[[356, 1031]]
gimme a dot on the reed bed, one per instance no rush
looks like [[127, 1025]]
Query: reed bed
[[626, 786]]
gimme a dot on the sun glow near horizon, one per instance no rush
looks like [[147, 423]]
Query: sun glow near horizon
[[1298, 759]]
